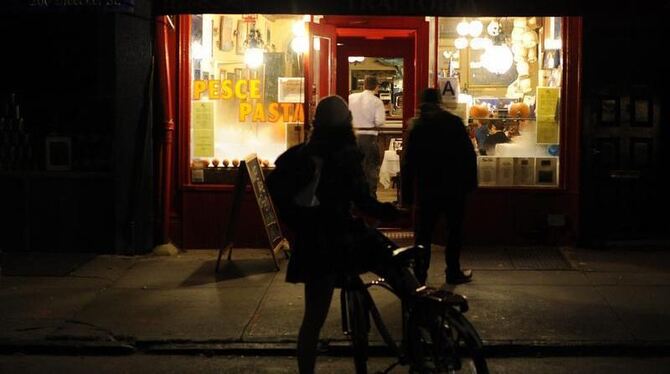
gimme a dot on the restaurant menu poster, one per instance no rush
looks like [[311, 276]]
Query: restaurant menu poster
[[546, 103], [547, 131], [202, 123]]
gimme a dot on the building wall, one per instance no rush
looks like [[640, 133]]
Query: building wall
[[82, 74], [622, 61]]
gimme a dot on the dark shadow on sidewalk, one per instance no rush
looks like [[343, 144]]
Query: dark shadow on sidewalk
[[229, 270]]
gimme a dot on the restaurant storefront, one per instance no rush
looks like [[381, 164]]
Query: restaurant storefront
[[236, 83]]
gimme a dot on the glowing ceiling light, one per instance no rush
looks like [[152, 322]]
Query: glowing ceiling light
[[497, 59], [463, 28], [461, 43], [476, 28]]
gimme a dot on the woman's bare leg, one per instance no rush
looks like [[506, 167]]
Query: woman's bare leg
[[318, 294]]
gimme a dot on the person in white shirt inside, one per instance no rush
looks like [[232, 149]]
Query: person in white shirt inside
[[368, 115]]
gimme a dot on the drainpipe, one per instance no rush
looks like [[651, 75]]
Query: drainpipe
[[163, 26]]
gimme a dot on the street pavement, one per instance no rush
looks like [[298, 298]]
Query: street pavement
[[148, 364], [523, 302]]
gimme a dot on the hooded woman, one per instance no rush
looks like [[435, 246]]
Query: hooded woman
[[314, 186]]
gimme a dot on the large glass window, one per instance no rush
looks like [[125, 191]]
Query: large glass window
[[247, 84], [503, 77]]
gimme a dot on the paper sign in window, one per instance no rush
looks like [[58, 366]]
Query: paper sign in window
[[547, 131], [546, 103], [202, 123]]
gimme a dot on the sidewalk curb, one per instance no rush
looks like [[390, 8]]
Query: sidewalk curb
[[69, 348], [334, 348]]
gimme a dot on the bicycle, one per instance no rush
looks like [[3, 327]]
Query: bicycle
[[436, 336]]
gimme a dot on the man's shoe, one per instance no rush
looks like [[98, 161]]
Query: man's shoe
[[463, 276]]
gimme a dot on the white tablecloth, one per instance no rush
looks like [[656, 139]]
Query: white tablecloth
[[390, 168]]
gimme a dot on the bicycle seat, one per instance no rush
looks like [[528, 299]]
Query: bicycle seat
[[446, 298]]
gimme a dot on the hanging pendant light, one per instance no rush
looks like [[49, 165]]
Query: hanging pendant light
[[463, 28], [497, 59], [253, 55], [461, 43]]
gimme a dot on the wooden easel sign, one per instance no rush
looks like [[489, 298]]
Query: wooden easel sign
[[250, 171]]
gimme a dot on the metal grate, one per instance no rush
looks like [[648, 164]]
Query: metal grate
[[515, 258], [538, 258]]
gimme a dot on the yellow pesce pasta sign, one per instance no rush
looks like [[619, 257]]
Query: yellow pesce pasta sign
[[248, 90]]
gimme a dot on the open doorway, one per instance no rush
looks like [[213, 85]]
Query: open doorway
[[389, 73]]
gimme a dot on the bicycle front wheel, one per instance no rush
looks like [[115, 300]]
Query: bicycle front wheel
[[462, 343]]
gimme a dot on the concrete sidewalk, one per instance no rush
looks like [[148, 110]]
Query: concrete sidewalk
[[522, 301]]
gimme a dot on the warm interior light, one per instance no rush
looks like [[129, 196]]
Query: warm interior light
[[300, 44], [461, 43], [354, 59], [497, 59], [298, 29], [478, 43], [253, 57], [463, 28], [475, 28], [317, 43], [197, 51]]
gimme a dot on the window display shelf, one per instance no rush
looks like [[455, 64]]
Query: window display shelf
[[502, 118]]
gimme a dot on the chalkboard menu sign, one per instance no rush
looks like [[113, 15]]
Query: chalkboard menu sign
[[250, 171], [263, 199]]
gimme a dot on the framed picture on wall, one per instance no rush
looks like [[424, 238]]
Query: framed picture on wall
[[642, 111], [291, 90], [240, 37], [608, 111], [226, 33], [58, 153]]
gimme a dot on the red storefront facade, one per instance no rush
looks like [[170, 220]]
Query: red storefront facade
[[498, 214]]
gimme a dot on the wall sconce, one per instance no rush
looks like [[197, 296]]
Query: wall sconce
[[356, 59], [300, 42]]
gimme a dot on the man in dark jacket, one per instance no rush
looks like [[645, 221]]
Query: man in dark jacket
[[439, 169]]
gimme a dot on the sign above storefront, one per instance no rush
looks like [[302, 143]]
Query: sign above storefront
[[446, 8], [58, 6]]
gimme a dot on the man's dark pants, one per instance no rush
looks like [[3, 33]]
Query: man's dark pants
[[371, 160], [427, 216]]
